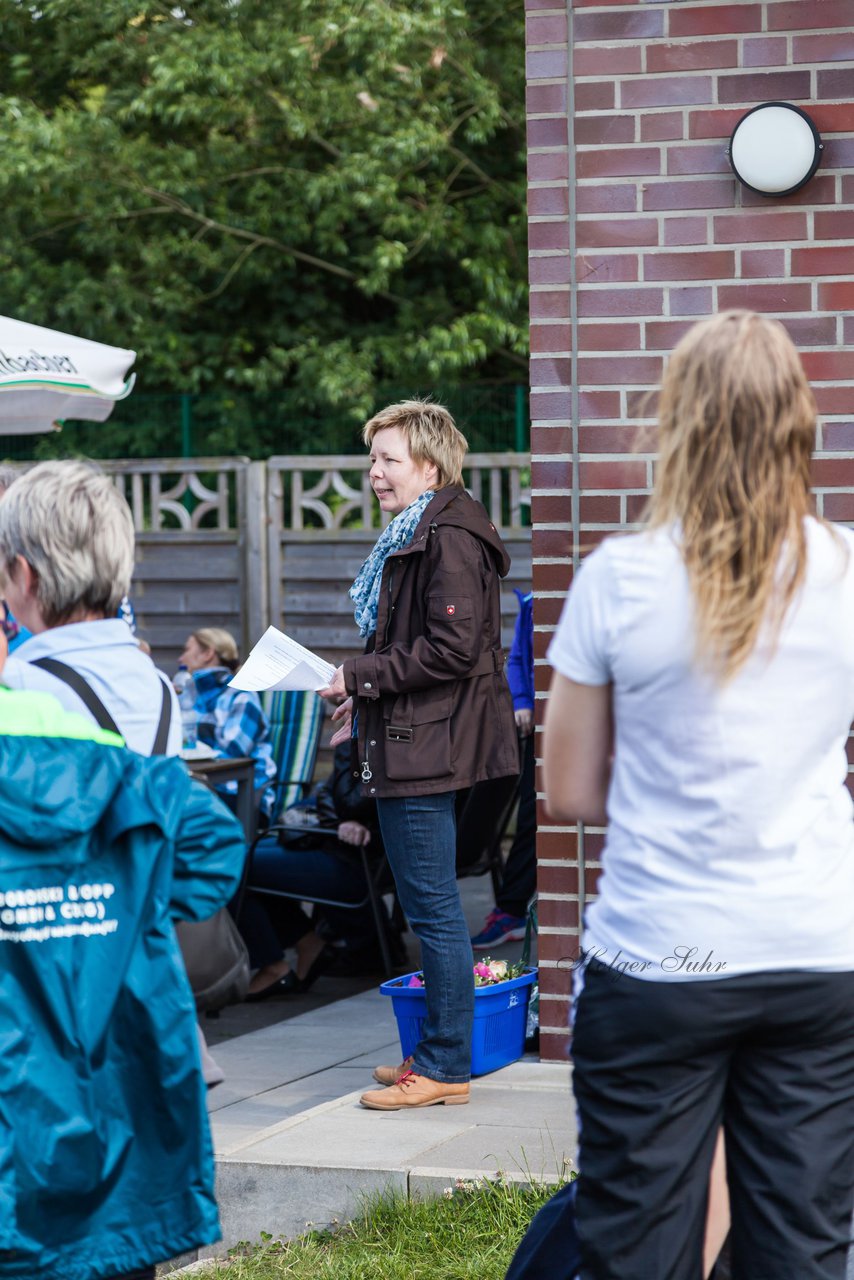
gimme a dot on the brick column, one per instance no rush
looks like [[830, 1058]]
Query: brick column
[[637, 229]]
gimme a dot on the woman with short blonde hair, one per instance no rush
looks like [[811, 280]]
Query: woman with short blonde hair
[[701, 706], [430, 435], [67, 555], [433, 714]]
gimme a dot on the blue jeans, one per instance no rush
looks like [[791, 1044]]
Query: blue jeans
[[420, 838], [270, 924]]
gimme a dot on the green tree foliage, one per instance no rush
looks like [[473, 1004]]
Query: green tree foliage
[[318, 195]]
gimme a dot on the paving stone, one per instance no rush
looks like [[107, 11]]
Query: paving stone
[[490, 1148], [286, 1200], [293, 1145], [350, 1136]]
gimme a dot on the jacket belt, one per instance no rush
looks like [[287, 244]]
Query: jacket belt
[[489, 663]]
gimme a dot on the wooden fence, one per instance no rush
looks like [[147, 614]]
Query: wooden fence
[[239, 544]]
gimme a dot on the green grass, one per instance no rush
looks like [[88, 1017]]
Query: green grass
[[470, 1233]]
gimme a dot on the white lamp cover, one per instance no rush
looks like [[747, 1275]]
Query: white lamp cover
[[46, 375], [775, 149]]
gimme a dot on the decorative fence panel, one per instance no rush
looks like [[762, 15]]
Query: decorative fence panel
[[323, 519], [191, 548], [239, 544]]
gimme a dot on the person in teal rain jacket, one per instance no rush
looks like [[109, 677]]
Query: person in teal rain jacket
[[106, 1163]]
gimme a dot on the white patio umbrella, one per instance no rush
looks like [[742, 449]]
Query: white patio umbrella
[[46, 376]]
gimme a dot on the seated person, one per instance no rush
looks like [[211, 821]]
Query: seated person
[[15, 634], [231, 721], [507, 920], [319, 862], [97, 1018]]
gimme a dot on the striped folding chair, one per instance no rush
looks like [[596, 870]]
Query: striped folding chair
[[295, 720], [295, 724]]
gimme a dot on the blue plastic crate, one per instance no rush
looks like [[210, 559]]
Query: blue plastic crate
[[500, 1014]]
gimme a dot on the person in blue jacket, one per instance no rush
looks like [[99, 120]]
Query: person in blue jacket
[[106, 1165], [507, 919]]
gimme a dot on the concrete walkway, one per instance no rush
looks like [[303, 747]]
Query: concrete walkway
[[295, 1148]]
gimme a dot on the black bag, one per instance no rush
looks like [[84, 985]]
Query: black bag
[[216, 960]]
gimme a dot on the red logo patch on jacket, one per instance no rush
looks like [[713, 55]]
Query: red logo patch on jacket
[[450, 609]]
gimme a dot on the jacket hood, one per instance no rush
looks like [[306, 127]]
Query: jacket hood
[[53, 790], [454, 506]]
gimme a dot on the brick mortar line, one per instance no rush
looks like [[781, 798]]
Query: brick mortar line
[[613, 44], [548, 424], [664, 7], [674, 144], [709, 73], [673, 108]]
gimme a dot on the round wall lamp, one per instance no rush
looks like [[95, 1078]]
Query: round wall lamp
[[775, 149]]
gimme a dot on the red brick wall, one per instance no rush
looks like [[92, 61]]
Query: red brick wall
[[637, 228]]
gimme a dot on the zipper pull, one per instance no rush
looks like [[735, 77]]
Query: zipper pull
[[366, 771]]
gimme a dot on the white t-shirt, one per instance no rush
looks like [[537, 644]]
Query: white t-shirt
[[108, 657], [730, 844]]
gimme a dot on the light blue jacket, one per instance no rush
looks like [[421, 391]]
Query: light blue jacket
[[105, 1154]]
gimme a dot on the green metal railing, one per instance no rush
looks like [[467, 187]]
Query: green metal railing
[[226, 423]]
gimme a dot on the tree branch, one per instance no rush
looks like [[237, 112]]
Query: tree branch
[[78, 222], [259, 241], [230, 273], [512, 357]]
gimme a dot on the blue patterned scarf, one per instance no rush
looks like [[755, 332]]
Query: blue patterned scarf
[[365, 591]]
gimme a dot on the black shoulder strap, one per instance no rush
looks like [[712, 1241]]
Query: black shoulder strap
[[84, 692], [93, 703], [162, 735]]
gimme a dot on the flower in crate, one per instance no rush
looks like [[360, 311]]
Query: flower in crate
[[486, 973]]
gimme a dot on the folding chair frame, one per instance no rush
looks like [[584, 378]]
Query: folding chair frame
[[373, 876]]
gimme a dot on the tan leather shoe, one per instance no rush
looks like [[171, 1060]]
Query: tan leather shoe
[[412, 1091], [389, 1075]]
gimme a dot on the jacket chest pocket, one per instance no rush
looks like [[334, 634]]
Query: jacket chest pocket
[[417, 737]]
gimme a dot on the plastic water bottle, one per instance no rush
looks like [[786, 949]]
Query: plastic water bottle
[[185, 687]]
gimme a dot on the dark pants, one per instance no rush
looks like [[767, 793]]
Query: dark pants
[[549, 1248], [479, 812], [519, 881], [659, 1066], [270, 924]]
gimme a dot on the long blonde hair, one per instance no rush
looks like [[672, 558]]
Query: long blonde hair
[[736, 430]]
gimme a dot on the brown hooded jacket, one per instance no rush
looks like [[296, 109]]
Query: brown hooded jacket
[[434, 707]]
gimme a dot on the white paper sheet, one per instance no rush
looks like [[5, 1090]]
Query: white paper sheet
[[278, 662]]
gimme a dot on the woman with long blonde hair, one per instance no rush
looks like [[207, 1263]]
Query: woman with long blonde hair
[[701, 706]]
